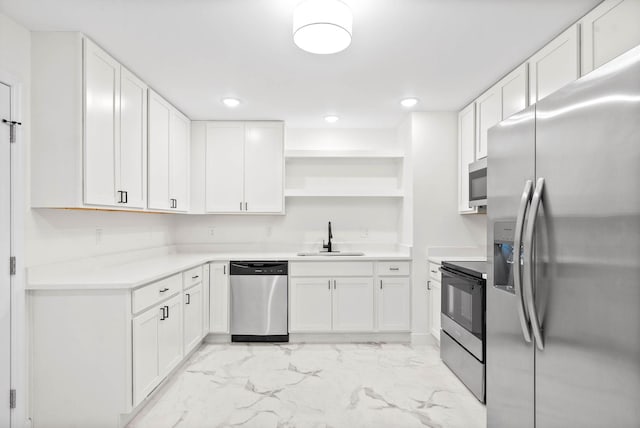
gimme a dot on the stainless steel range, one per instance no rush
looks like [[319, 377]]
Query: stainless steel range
[[463, 322]]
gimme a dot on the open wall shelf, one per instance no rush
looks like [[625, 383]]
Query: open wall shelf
[[345, 154]]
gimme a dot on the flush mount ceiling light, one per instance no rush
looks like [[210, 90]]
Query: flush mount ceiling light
[[331, 119], [322, 26], [409, 102], [231, 102]]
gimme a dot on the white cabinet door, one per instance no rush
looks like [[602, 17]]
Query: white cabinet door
[[609, 30], [434, 297], [193, 310], [170, 335], [101, 123], [158, 152], [218, 298], [146, 371], [310, 304], [466, 155], [263, 167], [514, 88], [488, 113], [132, 151], [353, 304], [179, 161], [394, 304], [555, 65], [225, 167]]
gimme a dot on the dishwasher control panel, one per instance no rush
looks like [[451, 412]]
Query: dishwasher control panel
[[259, 268]]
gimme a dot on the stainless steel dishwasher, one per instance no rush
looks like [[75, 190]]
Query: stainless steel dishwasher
[[259, 302]]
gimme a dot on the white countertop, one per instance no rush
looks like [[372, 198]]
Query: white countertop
[[114, 274], [440, 259]]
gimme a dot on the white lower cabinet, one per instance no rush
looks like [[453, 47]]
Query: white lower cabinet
[[310, 304], [219, 297], [353, 304], [394, 304], [435, 298], [193, 315], [146, 370]]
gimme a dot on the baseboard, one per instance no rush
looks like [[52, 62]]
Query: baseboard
[[423, 339], [349, 337], [217, 338]]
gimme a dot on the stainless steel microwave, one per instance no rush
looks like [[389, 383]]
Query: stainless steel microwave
[[478, 183]]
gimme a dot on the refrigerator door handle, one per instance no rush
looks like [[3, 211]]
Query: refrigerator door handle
[[517, 256], [536, 200]]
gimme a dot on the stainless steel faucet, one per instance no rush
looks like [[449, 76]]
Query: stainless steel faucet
[[328, 245]]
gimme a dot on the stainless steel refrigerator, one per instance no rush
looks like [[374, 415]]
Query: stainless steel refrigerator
[[563, 287]]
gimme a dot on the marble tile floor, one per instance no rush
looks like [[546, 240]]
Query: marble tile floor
[[313, 385]]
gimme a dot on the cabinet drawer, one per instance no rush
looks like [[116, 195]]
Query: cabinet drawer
[[393, 268], [153, 293], [331, 269], [434, 271], [192, 277]]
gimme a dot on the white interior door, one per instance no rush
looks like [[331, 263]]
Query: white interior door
[[5, 253], [102, 106], [225, 167], [132, 167], [263, 171]]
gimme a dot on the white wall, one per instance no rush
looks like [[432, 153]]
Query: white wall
[[436, 222], [355, 221]]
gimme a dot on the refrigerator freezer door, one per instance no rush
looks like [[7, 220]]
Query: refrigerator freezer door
[[510, 359], [588, 250]]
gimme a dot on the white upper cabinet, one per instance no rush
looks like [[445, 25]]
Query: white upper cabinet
[[466, 155], [224, 167], [244, 167], [264, 167], [555, 65], [168, 152], [131, 165], [514, 91], [488, 113], [609, 30], [101, 125], [96, 156]]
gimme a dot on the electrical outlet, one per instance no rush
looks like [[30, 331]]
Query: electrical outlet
[[99, 232], [212, 231], [364, 233]]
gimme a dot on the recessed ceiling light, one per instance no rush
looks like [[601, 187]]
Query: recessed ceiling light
[[331, 118], [409, 102], [322, 26], [231, 102]]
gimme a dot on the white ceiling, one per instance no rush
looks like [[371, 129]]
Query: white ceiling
[[195, 52]]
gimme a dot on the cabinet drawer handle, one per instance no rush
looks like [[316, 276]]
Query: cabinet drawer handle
[[434, 271], [188, 299], [164, 289], [195, 277], [163, 316], [394, 268]]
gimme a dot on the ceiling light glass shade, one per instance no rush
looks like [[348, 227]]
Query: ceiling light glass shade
[[409, 102], [331, 119], [322, 26], [231, 102]]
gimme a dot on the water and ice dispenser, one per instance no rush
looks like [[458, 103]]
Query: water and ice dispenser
[[503, 258]]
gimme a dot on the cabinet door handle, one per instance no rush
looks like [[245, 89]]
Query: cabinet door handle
[[167, 308], [380, 284], [428, 285], [334, 284], [224, 269], [164, 289], [188, 299], [246, 206], [329, 283], [176, 203], [394, 268], [126, 197], [120, 194], [163, 316]]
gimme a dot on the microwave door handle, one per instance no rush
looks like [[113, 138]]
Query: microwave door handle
[[517, 257], [536, 201]]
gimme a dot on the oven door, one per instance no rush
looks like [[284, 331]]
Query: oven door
[[463, 301]]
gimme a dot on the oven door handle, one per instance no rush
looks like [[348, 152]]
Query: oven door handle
[[536, 201], [517, 259], [469, 278]]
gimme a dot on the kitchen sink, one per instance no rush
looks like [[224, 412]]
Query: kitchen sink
[[332, 254]]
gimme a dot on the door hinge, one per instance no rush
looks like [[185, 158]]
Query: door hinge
[[12, 129], [12, 265], [12, 399]]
